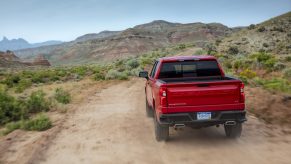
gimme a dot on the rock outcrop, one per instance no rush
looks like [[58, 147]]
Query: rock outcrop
[[9, 60], [41, 60]]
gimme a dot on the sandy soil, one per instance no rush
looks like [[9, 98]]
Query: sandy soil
[[111, 127]]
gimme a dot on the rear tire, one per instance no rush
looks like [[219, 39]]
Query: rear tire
[[149, 110], [233, 131], [161, 131]]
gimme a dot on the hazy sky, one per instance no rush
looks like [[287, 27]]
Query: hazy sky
[[41, 20]]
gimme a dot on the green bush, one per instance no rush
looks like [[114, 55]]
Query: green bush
[[37, 102], [11, 80], [22, 85], [62, 96], [10, 127], [40, 123], [233, 50], [252, 26], [211, 49], [114, 74], [99, 76], [241, 63], [132, 63], [180, 47], [288, 58], [11, 109], [267, 60]]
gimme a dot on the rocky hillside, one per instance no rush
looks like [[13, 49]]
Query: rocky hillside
[[9, 60], [273, 36], [100, 35], [16, 44], [130, 42]]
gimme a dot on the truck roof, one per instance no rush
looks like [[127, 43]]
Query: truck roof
[[194, 57]]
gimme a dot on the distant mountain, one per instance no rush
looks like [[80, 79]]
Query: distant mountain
[[17, 44], [273, 36], [108, 45], [46, 43], [102, 34]]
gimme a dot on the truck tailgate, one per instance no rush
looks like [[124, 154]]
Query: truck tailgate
[[204, 96]]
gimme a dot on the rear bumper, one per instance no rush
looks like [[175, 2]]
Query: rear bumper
[[190, 118]]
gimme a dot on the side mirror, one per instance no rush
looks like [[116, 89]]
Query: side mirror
[[144, 74]]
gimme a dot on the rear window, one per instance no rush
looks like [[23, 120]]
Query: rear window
[[189, 69]]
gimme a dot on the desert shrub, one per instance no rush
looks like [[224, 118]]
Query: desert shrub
[[180, 46], [114, 74], [233, 50], [247, 73], [287, 73], [261, 29], [39, 123], [132, 63], [252, 26], [11, 109], [135, 72], [11, 80], [288, 58], [22, 85], [10, 127], [263, 57], [275, 84], [62, 96], [237, 64], [279, 66], [227, 64], [265, 45], [37, 102], [99, 76], [280, 29], [200, 52], [145, 60], [241, 63], [269, 64], [244, 79], [267, 60], [211, 49]]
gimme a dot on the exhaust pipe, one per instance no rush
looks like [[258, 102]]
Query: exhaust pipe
[[230, 123], [178, 126]]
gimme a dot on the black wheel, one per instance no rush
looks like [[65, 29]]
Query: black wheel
[[161, 131], [233, 131], [149, 110]]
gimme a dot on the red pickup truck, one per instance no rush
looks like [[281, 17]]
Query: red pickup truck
[[193, 91]]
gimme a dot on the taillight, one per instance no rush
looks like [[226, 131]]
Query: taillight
[[242, 93], [163, 97]]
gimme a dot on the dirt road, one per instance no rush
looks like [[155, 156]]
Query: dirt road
[[112, 128]]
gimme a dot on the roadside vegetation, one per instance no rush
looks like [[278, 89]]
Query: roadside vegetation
[[263, 69], [29, 112]]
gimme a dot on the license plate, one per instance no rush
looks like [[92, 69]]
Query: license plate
[[203, 115]]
